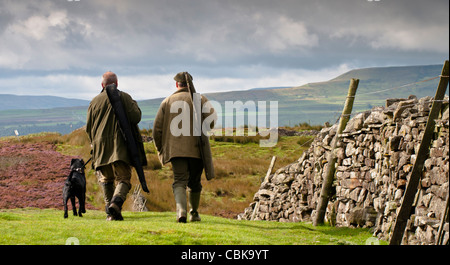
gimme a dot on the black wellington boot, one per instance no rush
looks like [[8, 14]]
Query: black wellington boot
[[115, 208]]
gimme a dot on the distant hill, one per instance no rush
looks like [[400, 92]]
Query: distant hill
[[323, 101], [314, 103], [9, 102], [266, 88]]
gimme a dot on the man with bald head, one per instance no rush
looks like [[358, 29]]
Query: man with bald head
[[110, 157]]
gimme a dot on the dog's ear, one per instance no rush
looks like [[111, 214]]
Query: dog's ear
[[73, 161]]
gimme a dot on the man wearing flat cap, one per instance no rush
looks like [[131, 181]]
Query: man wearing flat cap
[[182, 150]]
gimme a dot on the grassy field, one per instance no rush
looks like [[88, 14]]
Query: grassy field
[[48, 227], [240, 166]]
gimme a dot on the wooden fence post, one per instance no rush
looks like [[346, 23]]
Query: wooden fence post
[[266, 179], [328, 180], [269, 171], [416, 173], [444, 217]]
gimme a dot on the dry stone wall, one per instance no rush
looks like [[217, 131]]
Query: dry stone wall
[[374, 160]]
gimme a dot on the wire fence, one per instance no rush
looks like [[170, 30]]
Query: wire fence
[[337, 114], [397, 87]]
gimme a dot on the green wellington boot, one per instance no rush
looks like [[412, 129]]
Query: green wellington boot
[[194, 200], [180, 200]]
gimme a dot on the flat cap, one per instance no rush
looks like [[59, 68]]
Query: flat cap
[[181, 77]]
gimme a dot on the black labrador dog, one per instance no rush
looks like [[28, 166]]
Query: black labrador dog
[[75, 186]]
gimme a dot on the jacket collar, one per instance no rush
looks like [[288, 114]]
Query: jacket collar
[[184, 89]]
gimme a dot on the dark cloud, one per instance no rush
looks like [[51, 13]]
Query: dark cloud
[[218, 39]]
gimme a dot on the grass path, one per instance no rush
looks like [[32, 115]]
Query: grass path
[[48, 227]]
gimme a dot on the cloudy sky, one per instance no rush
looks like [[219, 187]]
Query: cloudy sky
[[62, 48]]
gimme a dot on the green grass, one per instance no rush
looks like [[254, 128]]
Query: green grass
[[48, 227]]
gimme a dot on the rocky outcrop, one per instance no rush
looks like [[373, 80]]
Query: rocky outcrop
[[374, 160]]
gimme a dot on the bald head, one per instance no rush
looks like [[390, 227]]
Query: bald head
[[109, 78]]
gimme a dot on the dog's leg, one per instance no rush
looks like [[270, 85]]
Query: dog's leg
[[83, 202], [65, 207], [74, 206], [80, 205]]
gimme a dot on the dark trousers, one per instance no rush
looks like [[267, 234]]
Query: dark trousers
[[187, 172]]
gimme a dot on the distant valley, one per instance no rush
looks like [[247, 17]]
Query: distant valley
[[314, 103], [10, 102]]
